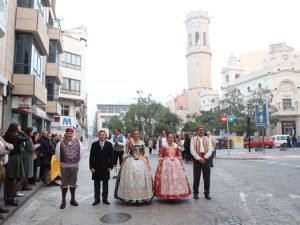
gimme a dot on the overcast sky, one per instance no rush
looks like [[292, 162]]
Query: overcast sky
[[141, 44]]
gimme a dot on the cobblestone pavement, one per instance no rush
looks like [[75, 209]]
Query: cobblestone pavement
[[263, 192]]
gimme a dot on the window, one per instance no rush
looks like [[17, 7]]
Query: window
[[65, 110], [71, 60], [54, 55], [287, 103], [227, 78], [259, 85], [190, 39], [70, 86], [52, 89], [23, 46], [103, 110], [3, 4], [110, 110], [117, 110], [37, 63], [197, 42], [204, 38], [236, 76]]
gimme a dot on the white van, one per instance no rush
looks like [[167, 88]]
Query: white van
[[279, 139]]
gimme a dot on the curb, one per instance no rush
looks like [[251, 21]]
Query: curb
[[240, 158], [13, 209]]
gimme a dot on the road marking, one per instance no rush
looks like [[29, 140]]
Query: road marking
[[85, 198], [243, 199], [272, 162], [294, 196]]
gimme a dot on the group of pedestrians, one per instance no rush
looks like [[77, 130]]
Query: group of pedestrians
[[21, 154], [134, 181]]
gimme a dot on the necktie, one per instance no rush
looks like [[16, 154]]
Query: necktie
[[101, 145]]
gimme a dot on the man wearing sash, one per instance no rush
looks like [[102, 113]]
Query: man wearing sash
[[201, 150]]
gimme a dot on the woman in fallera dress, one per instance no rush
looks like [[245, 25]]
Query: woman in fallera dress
[[134, 183], [170, 179]]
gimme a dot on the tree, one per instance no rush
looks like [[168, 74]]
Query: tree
[[233, 103], [114, 122], [211, 120], [189, 126], [150, 117]]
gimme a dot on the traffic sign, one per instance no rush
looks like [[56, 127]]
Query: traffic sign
[[231, 118], [261, 115], [224, 118]]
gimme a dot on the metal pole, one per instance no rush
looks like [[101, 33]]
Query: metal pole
[[227, 136], [249, 130], [263, 139]]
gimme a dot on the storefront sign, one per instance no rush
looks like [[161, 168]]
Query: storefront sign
[[67, 121], [21, 102], [39, 112]]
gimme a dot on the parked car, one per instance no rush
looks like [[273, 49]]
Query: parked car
[[255, 142], [279, 139]]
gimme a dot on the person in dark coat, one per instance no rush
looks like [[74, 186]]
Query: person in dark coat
[[101, 163], [47, 151]]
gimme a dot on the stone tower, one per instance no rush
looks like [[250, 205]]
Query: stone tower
[[198, 58]]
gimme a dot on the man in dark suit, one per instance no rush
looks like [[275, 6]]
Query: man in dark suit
[[101, 163]]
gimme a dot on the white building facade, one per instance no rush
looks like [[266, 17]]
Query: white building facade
[[105, 112], [72, 92], [280, 72]]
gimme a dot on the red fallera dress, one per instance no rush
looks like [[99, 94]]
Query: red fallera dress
[[170, 179]]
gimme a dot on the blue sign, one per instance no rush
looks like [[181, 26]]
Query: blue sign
[[231, 118], [261, 115]]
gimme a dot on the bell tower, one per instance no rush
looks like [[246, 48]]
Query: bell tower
[[198, 58]]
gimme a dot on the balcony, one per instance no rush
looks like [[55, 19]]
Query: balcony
[[55, 34], [64, 95], [29, 85], [29, 20], [53, 70], [53, 107]]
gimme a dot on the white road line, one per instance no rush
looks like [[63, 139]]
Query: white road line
[[294, 196], [272, 162], [248, 212], [85, 198]]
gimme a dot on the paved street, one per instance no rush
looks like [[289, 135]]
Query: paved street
[[244, 192]]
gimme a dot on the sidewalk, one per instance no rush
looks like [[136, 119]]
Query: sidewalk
[[244, 154], [22, 200], [27, 194]]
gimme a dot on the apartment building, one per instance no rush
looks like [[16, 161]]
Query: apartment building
[[33, 90], [71, 94]]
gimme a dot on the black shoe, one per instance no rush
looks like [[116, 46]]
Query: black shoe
[[63, 205], [3, 210], [114, 177], [26, 189], [1, 217], [208, 197], [74, 203], [96, 202], [196, 197], [106, 202], [11, 203], [212, 165]]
